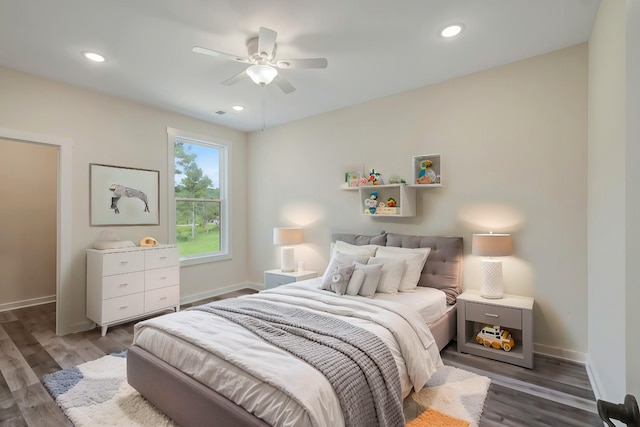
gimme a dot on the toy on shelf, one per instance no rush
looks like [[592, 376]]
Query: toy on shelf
[[426, 174], [396, 180], [375, 178], [391, 202], [371, 203], [496, 337]]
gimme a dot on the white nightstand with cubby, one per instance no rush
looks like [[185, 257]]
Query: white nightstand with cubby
[[512, 312], [275, 278]]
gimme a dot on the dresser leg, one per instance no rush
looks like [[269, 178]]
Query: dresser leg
[[104, 330], [177, 308]]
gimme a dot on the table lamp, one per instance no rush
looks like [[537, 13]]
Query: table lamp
[[287, 236], [489, 246]]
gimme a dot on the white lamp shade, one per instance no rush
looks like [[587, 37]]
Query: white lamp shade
[[287, 236], [262, 74], [491, 245]]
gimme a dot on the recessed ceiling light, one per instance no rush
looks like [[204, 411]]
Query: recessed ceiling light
[[92, 56], [238, 107], [451, 31]]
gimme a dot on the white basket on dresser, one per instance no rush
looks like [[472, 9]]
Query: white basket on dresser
[[129, 283]]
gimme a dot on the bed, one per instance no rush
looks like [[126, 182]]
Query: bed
[[193, 372]]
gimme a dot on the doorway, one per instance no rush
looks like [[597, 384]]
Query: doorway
[[63, 206], [28, 216]]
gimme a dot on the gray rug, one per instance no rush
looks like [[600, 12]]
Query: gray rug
[[96, 393]]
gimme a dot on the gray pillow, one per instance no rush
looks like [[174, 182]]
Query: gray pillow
[[338, 279], [372, 277]]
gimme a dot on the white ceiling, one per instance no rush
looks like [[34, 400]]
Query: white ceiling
[[375, 48]]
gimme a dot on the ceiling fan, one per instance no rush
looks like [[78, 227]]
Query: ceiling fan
[[264, 67]]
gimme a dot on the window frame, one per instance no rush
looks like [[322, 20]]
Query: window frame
[[225, 194]]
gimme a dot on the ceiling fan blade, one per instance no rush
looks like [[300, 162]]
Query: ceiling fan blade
[[303, 63], [283, 84], [266, 41], [205, 51], [235, 79]]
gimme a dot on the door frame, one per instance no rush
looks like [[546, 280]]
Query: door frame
[[64, 209]]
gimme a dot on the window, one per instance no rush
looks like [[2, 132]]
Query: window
[[198, 197]]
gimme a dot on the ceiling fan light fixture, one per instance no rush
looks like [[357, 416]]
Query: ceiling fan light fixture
[[262, 74]]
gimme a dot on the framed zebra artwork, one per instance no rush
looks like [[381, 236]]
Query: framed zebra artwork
[[123, 196]]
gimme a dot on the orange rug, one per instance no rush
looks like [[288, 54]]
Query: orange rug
[[432, 418]]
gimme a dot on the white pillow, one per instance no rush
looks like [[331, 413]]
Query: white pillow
[[339, 257], [354, 250], [371, 278], [415, 258], [392, 270], [356, 281]]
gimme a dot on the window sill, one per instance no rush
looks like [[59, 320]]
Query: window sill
[[203, 259]]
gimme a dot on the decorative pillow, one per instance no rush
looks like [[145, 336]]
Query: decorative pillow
[[414, 259], [355, 283], [392, 270], [338, 279], [354, 250], [371, 279], [345, 259]]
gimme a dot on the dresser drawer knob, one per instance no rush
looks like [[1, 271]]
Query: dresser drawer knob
[[492, 315], [163, 278], [124, 262], [163, 257], [163, 298], [124, 307], [123, 285]]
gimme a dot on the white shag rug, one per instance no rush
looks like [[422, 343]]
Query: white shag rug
[[96, 393]]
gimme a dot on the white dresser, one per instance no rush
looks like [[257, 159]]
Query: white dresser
[[128, 283]]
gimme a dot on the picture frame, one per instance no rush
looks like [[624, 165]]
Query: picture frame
[[120, 195]]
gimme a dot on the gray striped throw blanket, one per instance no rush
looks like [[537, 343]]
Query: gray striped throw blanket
[[359, 366]]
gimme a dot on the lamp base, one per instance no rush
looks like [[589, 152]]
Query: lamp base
[[287, 259], [492, 285]]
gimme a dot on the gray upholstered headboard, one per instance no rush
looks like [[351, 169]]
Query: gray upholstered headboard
[[443, 269]]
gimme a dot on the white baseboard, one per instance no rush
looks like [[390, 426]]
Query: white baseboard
[[219, 291], [561, 353], [594, 379], [27, 303]]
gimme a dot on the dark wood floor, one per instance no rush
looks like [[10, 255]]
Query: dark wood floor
[[555, 393]]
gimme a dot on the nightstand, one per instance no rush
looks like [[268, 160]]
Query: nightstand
[[512, 312], [274, 278]]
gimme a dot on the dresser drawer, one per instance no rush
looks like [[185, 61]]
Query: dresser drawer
[[158, 299], [119, 308], [122, 284], [161, 278], [158, 258], [122, 262], [494, 315]]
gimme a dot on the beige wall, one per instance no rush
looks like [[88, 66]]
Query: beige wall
[[28, 222], [114, 131], [513, 142], [633, 198], [606, 208]]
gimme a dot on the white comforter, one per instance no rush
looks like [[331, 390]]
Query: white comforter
[[269, 382]]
